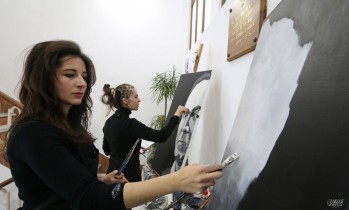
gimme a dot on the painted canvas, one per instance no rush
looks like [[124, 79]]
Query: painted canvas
[[164, 158], [291, 128], [187, 129]]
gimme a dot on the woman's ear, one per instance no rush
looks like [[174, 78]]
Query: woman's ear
[[125, 101]]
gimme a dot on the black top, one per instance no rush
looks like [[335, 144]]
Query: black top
[[121, 132], [44, 164]]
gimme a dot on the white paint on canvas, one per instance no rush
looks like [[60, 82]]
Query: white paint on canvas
[[264, 107]]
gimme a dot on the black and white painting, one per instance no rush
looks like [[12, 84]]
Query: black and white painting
[[190, 92], [187, 125], [291, 128], [186, 129]]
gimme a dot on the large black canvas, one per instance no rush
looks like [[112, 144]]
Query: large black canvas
[[307, 167]]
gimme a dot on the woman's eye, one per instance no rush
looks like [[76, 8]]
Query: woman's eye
[[69, 75]]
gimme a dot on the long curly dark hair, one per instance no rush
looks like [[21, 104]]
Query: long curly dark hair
[[37, 90]]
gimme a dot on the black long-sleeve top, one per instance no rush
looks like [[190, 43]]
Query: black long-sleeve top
[[120, 134], [44, 163]]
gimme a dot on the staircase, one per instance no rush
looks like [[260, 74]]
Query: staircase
[[9, 110]]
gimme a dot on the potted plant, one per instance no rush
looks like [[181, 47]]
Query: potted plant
[[163, 88]]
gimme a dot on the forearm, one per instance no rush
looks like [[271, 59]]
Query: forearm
[[165, 132], [138, 193], [142, 131], [190, 179]]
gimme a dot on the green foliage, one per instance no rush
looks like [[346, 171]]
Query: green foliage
[[158, 122], [163, 86], [151, 155]]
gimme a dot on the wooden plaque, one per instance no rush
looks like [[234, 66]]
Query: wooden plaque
[[245, 21]]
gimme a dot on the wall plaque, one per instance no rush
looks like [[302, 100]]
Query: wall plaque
[[245, 21]]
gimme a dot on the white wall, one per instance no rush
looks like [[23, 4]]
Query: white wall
[[227, 80], [129, 41]]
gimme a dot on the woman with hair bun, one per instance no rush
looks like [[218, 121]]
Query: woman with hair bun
[[121, 132]]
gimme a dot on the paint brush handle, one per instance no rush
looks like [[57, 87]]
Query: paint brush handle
[[128, 157]]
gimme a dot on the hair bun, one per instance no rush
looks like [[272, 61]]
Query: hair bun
[[106, 86]]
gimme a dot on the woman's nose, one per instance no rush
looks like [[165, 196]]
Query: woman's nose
[[81, 82]]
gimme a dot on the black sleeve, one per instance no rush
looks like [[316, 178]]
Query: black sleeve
[[142, 131], [41, 147], [105, 145]]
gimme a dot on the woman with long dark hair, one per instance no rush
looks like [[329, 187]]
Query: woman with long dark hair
[[51, 153]]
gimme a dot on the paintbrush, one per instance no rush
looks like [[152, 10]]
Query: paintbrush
[[128, 157]]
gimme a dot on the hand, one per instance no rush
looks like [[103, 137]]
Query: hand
[[181, 110], [112, 178], [197, 178]]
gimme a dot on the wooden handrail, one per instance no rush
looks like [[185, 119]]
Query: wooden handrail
[[11, 100], [6, 182]]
